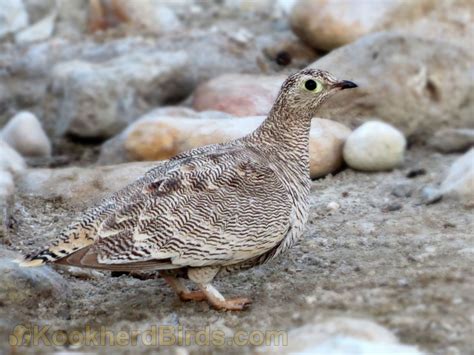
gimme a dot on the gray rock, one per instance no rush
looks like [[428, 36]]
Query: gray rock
[[404, 80], [100, 99], [13, 17], [30, 287], [79, 186], [452, 140], [25, 134], [39, 31]]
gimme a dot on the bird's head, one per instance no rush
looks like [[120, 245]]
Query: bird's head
[[309, 88]]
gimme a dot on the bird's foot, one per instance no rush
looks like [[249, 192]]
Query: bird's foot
[[233, 304], [192, 296]]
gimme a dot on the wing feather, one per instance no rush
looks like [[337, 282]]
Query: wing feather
[[214, 209]]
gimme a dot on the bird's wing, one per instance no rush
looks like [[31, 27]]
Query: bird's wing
[[218, 208]]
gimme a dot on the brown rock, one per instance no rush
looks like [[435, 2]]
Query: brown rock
[[326, 24], [238, 94]]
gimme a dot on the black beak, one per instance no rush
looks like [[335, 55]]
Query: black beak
[[345, 84]]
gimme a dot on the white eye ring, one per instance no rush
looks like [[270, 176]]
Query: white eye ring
[[313, 86]]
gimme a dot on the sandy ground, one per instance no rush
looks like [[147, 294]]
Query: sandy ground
[[405, 265]]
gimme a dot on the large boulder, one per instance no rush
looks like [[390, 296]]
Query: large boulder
[[238, 94], [99, 99], [328, 24], [157, 137], [418, 85]]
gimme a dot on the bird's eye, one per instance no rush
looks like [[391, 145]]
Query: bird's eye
[[310, 85], [313, 85]]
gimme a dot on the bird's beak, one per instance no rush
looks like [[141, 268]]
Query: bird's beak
[[345, 84]]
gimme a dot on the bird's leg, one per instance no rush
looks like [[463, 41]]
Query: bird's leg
[[215, 299], [181, 290], [203, 276]]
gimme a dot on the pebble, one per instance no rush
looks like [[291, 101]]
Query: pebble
[[391, 207], [374, 146], [402, 190], [26, 135], [413, 173], [333, 206]]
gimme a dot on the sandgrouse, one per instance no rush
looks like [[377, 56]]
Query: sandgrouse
[[210, 210]]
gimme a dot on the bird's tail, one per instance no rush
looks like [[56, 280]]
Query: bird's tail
[[75, 237]]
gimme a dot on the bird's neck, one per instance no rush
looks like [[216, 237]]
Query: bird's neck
[[286, 132]]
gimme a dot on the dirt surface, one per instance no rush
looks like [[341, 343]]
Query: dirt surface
[[405, 265]]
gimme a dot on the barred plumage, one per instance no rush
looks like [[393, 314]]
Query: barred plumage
[[213, 209]]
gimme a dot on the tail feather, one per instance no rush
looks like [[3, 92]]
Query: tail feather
[[70, 241]]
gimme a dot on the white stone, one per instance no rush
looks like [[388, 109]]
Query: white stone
[[341, 336], [24, 133], [13, 16], [40, 31], [459, 182], [10, 160], [374, 146], [333, 206]]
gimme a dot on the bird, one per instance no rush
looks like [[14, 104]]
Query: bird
[[211, 210]]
